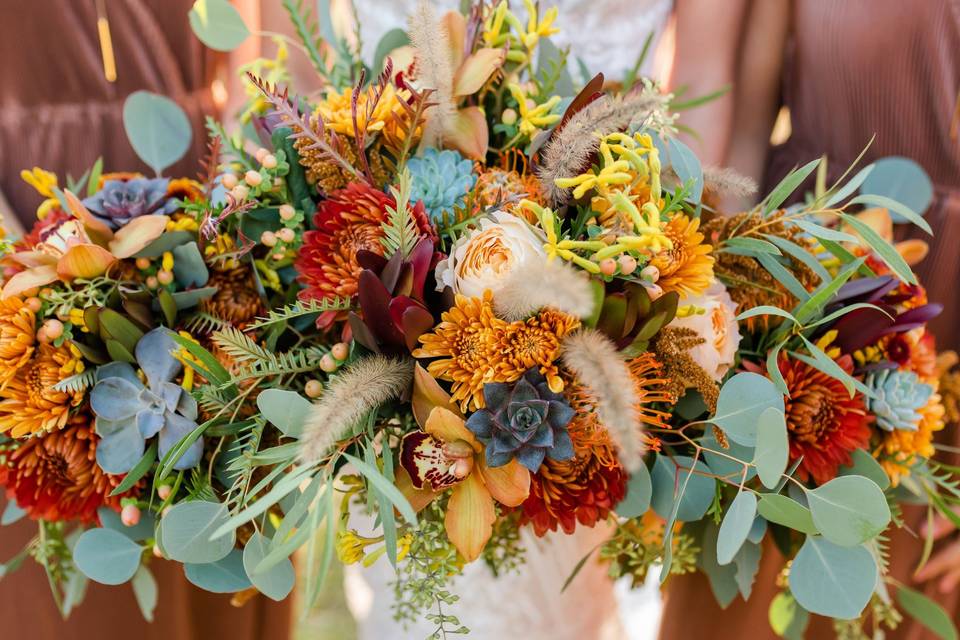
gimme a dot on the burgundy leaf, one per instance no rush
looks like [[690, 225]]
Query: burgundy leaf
[[375, 305], [416, 322], [361, 333]]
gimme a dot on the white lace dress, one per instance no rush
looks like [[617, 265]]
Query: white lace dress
[[608, 36]]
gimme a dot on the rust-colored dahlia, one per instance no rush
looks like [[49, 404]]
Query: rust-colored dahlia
[[584, 489], [898, 449], [236, 300], [56, 477], [346, 222], [17, 337], [748, 282], [825, 424], [29, 405], [687, 267]]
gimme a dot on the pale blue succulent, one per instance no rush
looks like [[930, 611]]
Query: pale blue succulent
[[898, 398], [120, 201], [440, 179], [129, 413]]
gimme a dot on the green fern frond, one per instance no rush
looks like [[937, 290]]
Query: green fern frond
[[240, 346], [77, 382], [199, 487], [400, 232], [242, 464], [257, 361], [299, 309], [203, 323]]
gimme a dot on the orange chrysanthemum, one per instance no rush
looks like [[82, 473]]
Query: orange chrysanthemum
[[17, 337], [185, 189], [899, 448], [350, 220], [687, 268], [55, 476], [30, 405], [473, 347]]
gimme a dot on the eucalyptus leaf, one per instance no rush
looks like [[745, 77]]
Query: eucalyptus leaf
[[927, 612], [866, 465], [849, 510], [720, 462], [747, 563], [286, 410], [11, 513], [687, 167], [670, 478], [742, 399], [145, 592], [226, 575], [831, 580], [218, 25], [736, 525], [901, 180], [786, 512], [773, 447], [106, 556], [639, 492], [158, 129], [722, 577], [276, 582], [187, 530], [189, 267]]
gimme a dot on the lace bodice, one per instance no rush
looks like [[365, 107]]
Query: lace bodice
[[607, 35]]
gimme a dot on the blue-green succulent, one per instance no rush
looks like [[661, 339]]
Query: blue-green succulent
[[120, 201], [440, 179], [524, 420], [898, 398], [129, 413]]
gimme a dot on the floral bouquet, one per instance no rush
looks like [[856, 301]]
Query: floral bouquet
[[457, 294]]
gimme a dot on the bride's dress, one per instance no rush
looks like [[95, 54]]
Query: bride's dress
[[608, 36]]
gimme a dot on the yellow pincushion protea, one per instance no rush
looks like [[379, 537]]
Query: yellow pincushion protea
[[687, 267], [30, 405], [17, 337]]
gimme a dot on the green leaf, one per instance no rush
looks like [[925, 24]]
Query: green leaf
[[866, 465], [736, 525], [773, 447], [824, 233], [393, 39], [829, 366], [639, 492], [722, 465], [895, 209], [800, 254], [676, 489], [750, 246], [113, 325], [280, 490], [787, 512], [788, 185], [884, 249], [747, 563], [927, 612], [849, 510], [213, 370], [286, 410], [226, 575], [831, 580], [93, 183], [218, 25], [783, 276], [825, 292], [187, 530], [145, 592], [766, 310], [167, 306], [847, 190], [787, 618], [742, 399], [139, 470], [722, 577], [384, 486], [158, 129], [106, 556], [687, 167], [276, 582], [11, 513], [839, 313], [773, 368]]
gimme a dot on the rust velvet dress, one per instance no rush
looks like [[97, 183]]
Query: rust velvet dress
[[855, 68], [57, 111]]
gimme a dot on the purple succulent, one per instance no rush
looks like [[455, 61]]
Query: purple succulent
[[120, 201], [525, 420]]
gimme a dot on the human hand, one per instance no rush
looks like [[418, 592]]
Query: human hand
[[944, 565]]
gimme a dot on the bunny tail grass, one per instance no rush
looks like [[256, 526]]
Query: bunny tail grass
[[547, 284], [362, 387], [599, 366], [431, 40], [727, 182]]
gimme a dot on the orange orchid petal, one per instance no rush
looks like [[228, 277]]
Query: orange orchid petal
[[467, 132], [913, 251], [137, 234], [428, 394], [29, 279], [98, 231], [476, 70], [470, 517], [509, 485], [455, 24], [879, 220], [32, 258], [418, 498], [84, 261], [446, 426]]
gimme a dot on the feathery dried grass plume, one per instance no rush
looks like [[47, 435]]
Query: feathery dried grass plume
[[544, 284], [724, 181], [569, 151], [599, 367], [362, 387], [434, 70]]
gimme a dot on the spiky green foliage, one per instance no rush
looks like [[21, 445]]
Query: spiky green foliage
[[299, 309], [256, 361], [400, 229], [77, 382]]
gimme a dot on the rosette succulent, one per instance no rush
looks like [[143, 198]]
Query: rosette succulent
[[525, 420], [898, 398], [440, 179], [120, 201], [128, 413]]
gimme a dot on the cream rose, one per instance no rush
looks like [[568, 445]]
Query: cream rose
[[482, 259], [717, 325]]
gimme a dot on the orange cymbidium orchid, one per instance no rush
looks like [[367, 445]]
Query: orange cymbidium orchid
[[878, 219], [82, 247], [445, 454], [466, 130]]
